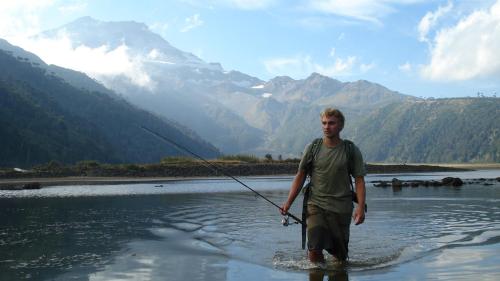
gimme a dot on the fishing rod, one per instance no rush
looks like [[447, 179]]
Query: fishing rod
[[217, 168]]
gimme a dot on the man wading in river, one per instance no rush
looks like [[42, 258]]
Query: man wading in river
[[331, 161]]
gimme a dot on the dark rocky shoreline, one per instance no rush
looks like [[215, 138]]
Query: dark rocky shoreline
[[398, 184]]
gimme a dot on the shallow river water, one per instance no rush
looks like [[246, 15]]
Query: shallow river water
[[214, 229]]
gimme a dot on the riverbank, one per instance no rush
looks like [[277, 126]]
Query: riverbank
[[122, 174]]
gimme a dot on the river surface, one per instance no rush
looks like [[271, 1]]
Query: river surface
[[215, 229]]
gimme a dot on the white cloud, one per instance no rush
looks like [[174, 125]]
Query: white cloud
[[21, 18], [467, 50], [192, 22], [237, 4], [406, 67], [159, 27], [340, 67], [363, 10], [366, 67], [430, 20], [251, 4], [332, 52], [296, 67], [73, 7], [301, 66], [97, 62]]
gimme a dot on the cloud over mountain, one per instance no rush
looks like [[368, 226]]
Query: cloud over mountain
[[96, 62], [467, 50]]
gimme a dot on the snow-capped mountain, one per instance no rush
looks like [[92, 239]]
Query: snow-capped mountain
[[135, 36]]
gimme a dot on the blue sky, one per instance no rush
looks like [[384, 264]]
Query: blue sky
[[422, 48]]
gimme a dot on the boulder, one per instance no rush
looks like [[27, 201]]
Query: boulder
[[414, 184], [396, 183], [436, 183], [32, 185], [450, 181]]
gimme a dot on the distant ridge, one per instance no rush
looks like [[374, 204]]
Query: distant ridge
[[460, 130], [44, 117]]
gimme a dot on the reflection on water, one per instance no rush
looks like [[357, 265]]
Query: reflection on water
[[318, 275], [214, 230]]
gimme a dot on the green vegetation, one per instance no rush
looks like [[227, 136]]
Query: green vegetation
[[459, 130], [178, 160], [241, 158], [188, 168], [44, 118], [87, 164], [168, 167]]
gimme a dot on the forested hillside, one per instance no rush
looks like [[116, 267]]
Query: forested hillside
[[442, 130], [44, 118]]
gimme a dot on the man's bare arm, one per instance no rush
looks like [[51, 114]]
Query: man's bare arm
[[359, 213], [297, 183]]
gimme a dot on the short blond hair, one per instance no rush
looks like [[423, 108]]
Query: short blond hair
[[333, 112]]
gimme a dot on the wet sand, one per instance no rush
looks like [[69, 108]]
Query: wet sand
[[86, 180]]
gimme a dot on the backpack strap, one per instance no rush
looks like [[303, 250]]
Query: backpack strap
[[350, 169], [315, 147], [306, 189], [349, 149]]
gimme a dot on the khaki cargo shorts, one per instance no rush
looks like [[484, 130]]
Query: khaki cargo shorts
[[328, 231]]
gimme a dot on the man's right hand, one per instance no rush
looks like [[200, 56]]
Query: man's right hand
[[284, 209]]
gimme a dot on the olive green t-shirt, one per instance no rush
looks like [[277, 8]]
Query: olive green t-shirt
[[330, 182]]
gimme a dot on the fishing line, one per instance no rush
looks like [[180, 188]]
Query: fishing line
[[217, 168]]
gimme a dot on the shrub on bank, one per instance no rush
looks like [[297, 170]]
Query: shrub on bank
[[241, 158], [177, 160], [87, 164]]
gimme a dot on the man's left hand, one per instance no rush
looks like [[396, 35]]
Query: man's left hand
[[359, 215]]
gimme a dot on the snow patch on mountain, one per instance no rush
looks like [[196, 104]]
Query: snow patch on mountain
[[258, 86]]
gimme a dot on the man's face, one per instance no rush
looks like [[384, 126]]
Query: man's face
[[331, 126]]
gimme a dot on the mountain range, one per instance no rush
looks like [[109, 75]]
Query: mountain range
[[238, 113]]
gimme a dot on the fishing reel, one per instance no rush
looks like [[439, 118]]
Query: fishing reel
[[285, 221]]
